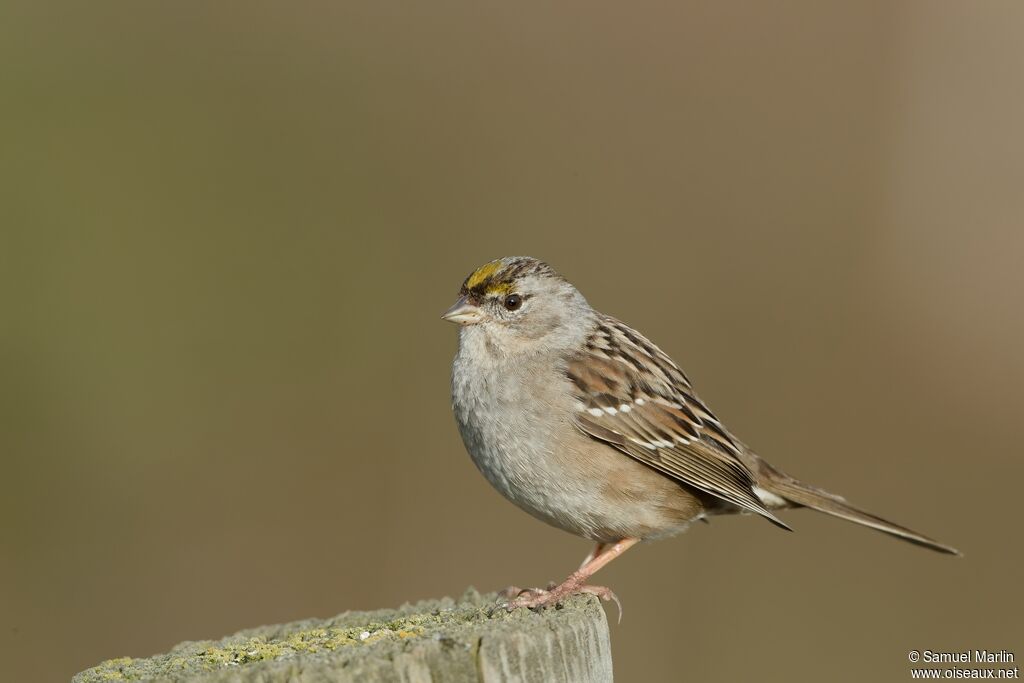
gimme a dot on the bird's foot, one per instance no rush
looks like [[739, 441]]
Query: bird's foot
[[512, 592], [537, 598]]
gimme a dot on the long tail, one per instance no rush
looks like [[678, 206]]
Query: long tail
[[801, 494]]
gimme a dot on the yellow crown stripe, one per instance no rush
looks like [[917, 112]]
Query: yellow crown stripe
[[499, 288], [481, 274]]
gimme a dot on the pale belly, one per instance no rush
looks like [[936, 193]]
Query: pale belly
[[571, 481]]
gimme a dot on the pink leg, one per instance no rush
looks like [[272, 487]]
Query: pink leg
[[593, 553], [576, 583], [515, 591]]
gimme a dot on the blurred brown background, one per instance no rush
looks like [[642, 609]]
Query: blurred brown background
[[229, 230]]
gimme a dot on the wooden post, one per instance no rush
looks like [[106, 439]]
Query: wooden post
[[436, 640]]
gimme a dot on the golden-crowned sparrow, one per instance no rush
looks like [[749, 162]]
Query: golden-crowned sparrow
[[581, 421]]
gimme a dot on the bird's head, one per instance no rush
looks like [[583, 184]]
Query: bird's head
[[519, 303]]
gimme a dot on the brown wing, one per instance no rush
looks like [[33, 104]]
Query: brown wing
[[633, 397]]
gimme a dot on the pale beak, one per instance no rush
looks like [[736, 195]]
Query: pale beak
[[463, 313]]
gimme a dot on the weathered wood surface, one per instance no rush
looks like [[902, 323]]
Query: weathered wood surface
[[431, 641]]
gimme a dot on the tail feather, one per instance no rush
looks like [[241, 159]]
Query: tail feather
[[807, 496]]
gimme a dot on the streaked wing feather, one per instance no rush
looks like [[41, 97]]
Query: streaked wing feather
[[655, 417]]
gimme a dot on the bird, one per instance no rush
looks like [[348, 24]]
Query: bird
[[581, 421]]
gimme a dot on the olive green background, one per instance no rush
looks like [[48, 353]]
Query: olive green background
[[228, 231]]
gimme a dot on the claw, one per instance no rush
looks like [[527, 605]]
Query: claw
[[512, 595], [606, 594], [509, 592]]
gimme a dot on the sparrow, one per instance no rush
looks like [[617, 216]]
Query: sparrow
[[584, 423]]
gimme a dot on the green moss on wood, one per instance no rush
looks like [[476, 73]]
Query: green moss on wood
[[442, 636]]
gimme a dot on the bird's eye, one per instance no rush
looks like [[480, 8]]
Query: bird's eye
[[513, 301]]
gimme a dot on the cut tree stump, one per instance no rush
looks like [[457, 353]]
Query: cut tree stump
[[436, 640]]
